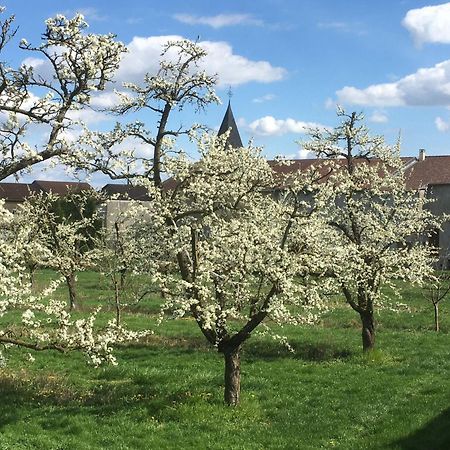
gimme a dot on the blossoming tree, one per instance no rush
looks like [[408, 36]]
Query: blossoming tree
[[66, 228], [35, 320], [118, 256], [178, 83], [376, 227], [230, 255], [74, 65]]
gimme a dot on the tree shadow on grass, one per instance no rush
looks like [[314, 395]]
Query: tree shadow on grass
[[435, 435], [114, 391], [252, 350], [118, 389], [317, 352]]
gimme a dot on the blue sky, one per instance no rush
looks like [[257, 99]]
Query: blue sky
[[290, 61]]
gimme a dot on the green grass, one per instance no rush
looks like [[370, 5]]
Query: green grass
[[167, 393]]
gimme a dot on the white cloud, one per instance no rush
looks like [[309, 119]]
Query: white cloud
[[378, 117], [232, 69], [269, 126], [143, 57], [219, 21], [426, 87], [429, 24], [441, 124], [304, 154], [33, 62], [264, 98], [88, 116], [105, 99], [386, 94]]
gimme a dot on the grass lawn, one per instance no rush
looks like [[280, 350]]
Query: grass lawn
[[167, 392]]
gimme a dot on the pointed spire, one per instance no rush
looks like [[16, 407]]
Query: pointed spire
[[234, 139]]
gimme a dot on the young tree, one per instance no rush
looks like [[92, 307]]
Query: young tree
[[435, 291], [35, 320], [375, 225], [178, 83], [66, 228], [230, 255], [75, 65], [117, 254]]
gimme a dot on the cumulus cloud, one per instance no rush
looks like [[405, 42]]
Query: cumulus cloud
[[104, 100], [269, 126], [232, 69], [218, 21], [441, 124], [426, 87], [143, 56], [88, 116], [429, 24]]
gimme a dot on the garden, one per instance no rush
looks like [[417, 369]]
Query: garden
[[166, 391]]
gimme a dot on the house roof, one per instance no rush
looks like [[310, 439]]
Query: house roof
[[59, 187], [431, 171], [126, 191], [301, 165], [169, 184], [234, 138], [15, 192], [18, 192], [297, 165]]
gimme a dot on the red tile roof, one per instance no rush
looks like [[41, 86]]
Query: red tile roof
[[126, 191], [15, 192], [304, 164], [60, 187], [18, 192], [432, 170]]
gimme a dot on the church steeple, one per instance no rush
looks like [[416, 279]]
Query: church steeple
[[234, 139]]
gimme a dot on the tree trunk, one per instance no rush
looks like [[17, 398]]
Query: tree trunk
[[436, 316], [368, 331], [157, 153], [31, 271], [70, 280], [117, 300], [232, 376]]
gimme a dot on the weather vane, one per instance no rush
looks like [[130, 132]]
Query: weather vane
[[230, 93]]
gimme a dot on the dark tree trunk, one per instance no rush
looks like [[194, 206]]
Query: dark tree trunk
[[122, 279], [368, 331], [158, 146], [436, 316], [32, 271], [70, 280], [232, 375], [117, 301]]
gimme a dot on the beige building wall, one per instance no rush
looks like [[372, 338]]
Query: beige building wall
[[112, 209]]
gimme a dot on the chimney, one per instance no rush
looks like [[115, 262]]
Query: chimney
[[422, 154]]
